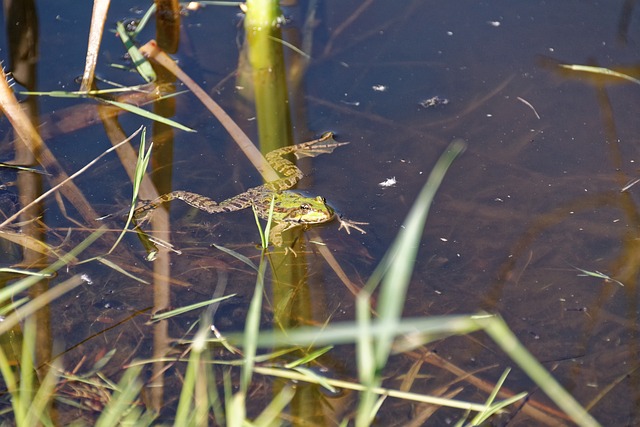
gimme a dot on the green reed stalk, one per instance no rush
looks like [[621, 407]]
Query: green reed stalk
[[263, 38]]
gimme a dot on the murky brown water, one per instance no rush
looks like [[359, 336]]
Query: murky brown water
[[536, 194]]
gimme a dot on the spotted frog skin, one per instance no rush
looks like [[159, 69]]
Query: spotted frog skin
[[290, 209]]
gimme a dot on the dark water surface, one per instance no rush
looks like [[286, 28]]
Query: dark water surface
[[536, 194]]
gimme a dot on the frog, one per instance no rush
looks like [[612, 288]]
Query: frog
[[290, 210]]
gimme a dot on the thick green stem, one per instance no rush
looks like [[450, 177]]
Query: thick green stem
[[268, 71]]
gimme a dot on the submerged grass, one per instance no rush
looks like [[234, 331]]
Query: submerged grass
[[28, 399]]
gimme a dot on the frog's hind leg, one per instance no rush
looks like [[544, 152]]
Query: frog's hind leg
[[196, 200], [292, 174]]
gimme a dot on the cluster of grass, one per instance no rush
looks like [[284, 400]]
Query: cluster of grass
[[375, 338]]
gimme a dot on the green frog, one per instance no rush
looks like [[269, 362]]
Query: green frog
[[290, 209]]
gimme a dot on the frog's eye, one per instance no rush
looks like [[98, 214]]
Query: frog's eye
[[305, 206]]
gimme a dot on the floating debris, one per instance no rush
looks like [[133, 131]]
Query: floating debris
[[630, 184], [380, 88], [434, 101], [528, 104], [389, 182]]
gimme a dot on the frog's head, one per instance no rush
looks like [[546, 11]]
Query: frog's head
[[310, 211]]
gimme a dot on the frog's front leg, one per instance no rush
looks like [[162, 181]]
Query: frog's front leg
[[275, 235]]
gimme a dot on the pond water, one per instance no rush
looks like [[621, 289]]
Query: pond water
[[536, 197]]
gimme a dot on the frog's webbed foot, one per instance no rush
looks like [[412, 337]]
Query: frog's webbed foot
[[348, 224], [288, 250], [142, 213], [323, 145]]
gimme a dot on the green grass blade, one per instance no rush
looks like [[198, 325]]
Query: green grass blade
[[185, 412], [11, 384], [272, 412], [147, 114], [24, 168], [252, 329], [498, 330], [308, 358], [122, 400], [237, 256], [144, 156], [142, 65], [420, 329], [178, 311], [20, 286], [145, 18], [492, 409], [339, 384], [26, 272], [600, 70], [27, 368], [121, 270], [404, 250]]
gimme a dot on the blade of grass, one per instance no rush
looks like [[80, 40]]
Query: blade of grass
[[484, 415], [184, 411], [394, 271], [339, 384], [598, 275], [15, 303], [143, 21], [237, 255], [178, 311], [264, 235], [236, 410], [147, 114], [11, 384], [142, 65], [38, 410], [122, 400], [403, 254], [273, 410], [347, 332], [8, 292], [600, 70], [26, 272], [498, 330], [144, 156], [252, 328], [121, 270], [308, 358], [23, 168], [27, 369]]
